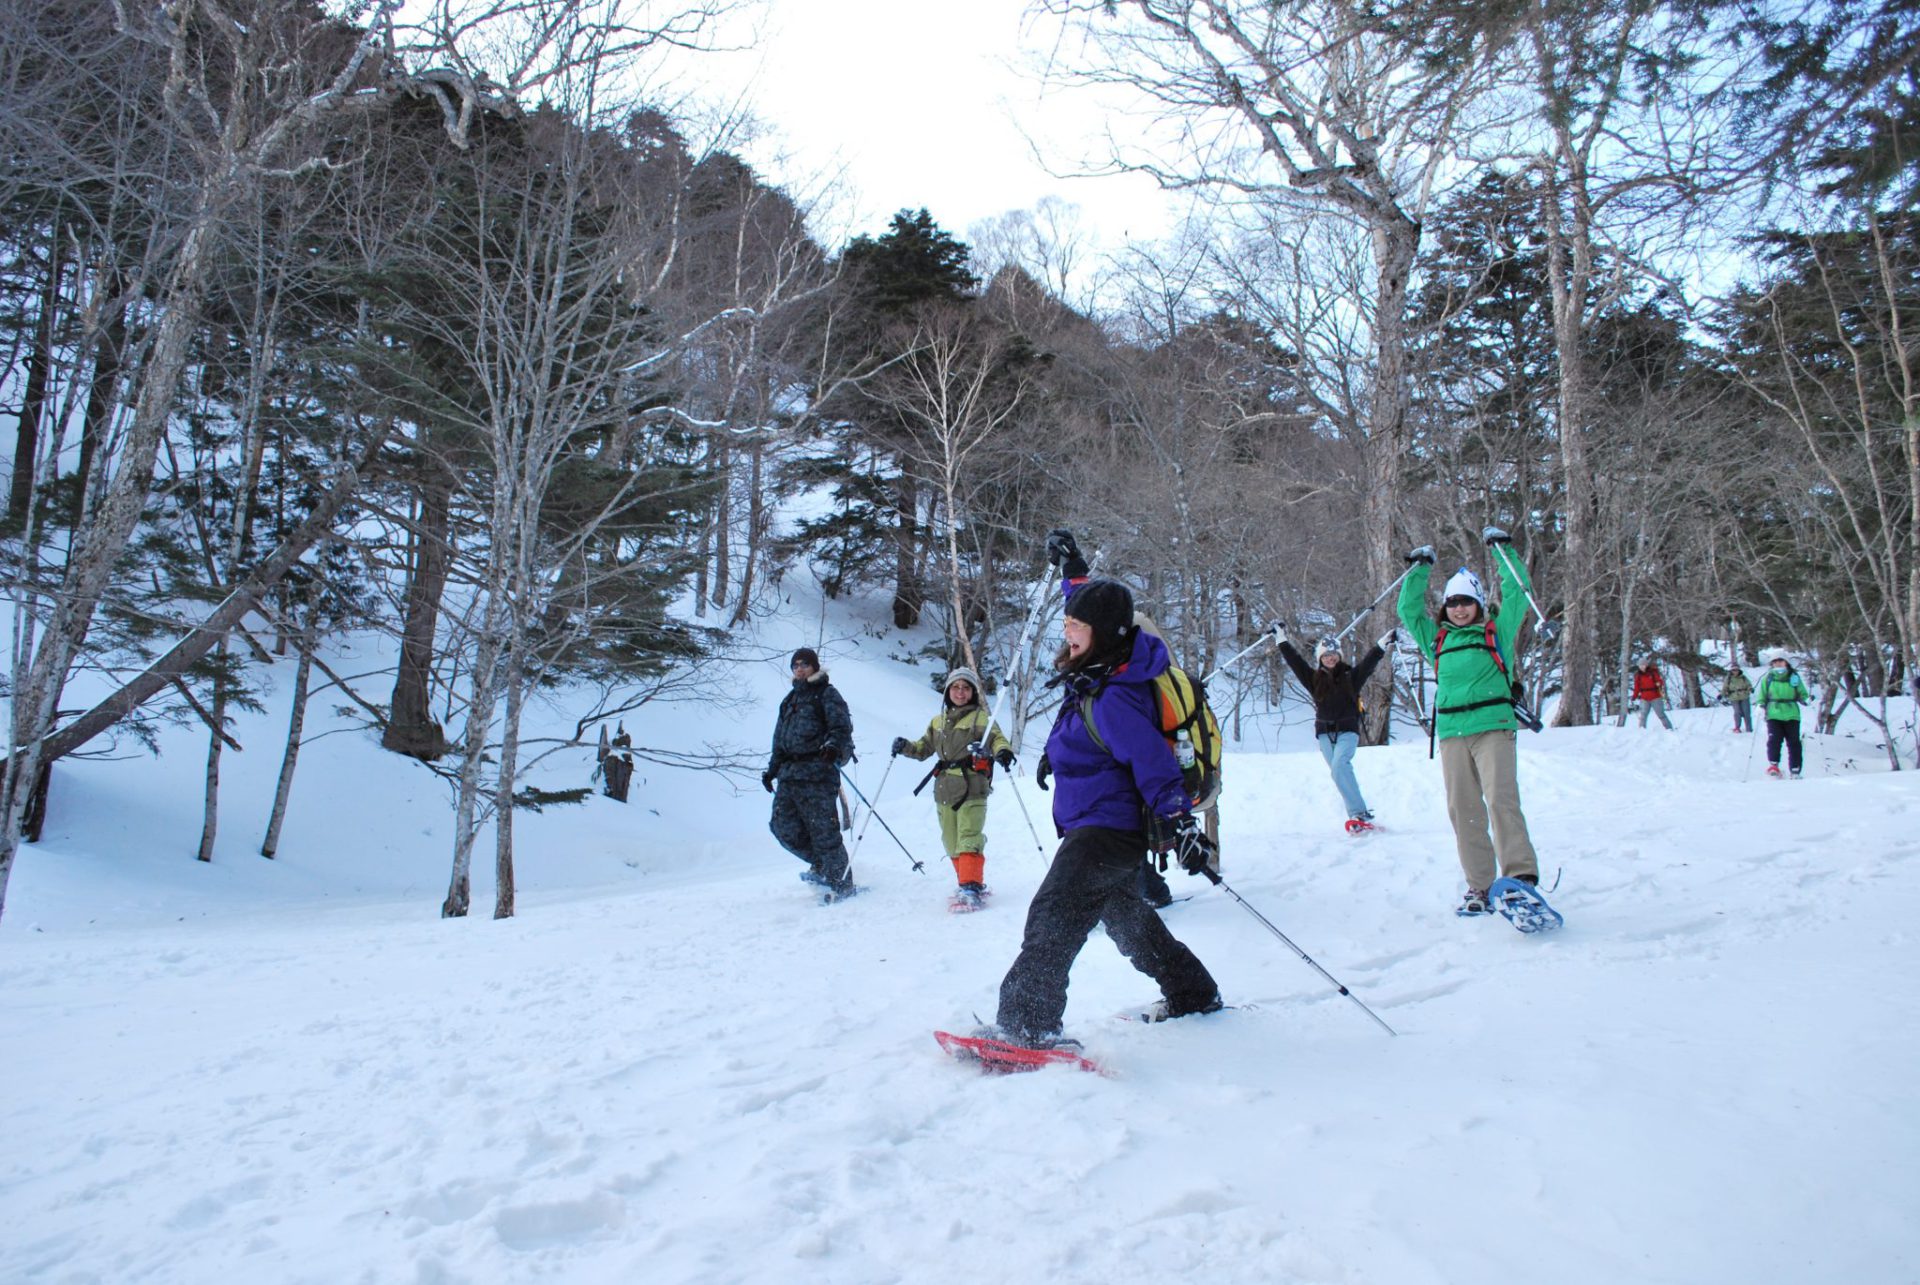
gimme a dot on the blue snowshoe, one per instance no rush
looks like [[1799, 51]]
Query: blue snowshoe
[[1522, 906]]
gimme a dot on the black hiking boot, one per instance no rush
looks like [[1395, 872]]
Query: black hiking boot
[[1166, 1010]]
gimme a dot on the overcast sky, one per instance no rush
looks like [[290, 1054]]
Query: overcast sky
[[920, 103]]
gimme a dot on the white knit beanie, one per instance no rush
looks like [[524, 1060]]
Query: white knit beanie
[[1465, 584]]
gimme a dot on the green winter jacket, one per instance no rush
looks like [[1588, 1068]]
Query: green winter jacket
[[1737, 687], [1467, 673], [1780, 694], [947, 738]]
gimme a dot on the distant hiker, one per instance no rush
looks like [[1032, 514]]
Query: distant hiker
[[1738, 692], [1781, 694], [1106, 801], [1650, 693], [1335, 687], [964, 746], [812, 741], [1474, 721]]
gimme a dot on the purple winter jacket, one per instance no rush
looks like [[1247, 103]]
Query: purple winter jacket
[[1092, 787]]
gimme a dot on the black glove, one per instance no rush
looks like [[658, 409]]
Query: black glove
[[829, 753], [1061, 547], [1494, 535], [766, 779], [1041, 773], [1422, 554], [1191, 846], [1064, 554], [1005, 759], [901, 745]]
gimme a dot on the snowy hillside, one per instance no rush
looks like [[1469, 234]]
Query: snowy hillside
[[673, 1067]]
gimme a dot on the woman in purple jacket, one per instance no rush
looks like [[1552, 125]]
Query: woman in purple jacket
[[1104, 801]]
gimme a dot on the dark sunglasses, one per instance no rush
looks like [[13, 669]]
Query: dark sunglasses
[[1461, 600]]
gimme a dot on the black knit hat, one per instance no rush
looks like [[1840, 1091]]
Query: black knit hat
[[1106, 607], [807, 654]]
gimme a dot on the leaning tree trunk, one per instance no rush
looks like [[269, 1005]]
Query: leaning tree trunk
[[296, 724], [39, 675], [210, 822]]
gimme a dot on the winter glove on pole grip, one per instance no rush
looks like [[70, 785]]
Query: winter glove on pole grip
[[1064, 553], [1042, 772], [1279, 632], [1005, 759], [829, 753], [1191, 846], [1422, 554], [1386, 639], [1495, 535], [901, 745]]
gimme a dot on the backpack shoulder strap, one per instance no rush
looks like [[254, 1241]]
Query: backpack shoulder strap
[[1086, 717], [1491, 644]]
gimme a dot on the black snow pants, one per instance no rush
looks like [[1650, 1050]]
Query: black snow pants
[[806, 820], [1788, 730], [1095, 879]]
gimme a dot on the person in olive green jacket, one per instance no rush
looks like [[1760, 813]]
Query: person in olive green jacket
[[1738, 692], [964, 746], [1472, 649]]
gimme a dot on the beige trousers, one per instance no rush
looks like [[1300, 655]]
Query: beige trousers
[[1482, 778]]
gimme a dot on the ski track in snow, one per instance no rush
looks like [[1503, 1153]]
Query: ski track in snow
[[673, 1066]]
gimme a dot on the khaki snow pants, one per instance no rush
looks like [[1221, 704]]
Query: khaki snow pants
[[963, 829], [1482, 779]]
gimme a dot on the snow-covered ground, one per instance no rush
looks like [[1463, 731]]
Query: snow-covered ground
[[673, 1067]]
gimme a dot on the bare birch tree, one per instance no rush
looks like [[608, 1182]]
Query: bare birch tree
[[1300, 107]]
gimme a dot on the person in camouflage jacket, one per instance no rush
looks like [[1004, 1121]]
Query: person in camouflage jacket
[[812, 741]]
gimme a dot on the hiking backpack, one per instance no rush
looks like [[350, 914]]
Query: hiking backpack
[[1192, 732]]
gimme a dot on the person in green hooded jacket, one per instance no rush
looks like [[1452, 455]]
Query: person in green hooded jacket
[[1471, 648], [1781, 693], [964, 746]]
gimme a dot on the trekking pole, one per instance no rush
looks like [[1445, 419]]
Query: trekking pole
[[1270, 635], [883, 822], [878, 790], [1222, 885], [1501, 551], [1037, 845], [1019, 650], [1368, 609]]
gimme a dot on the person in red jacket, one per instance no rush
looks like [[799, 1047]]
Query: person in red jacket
[[1650, 693]]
